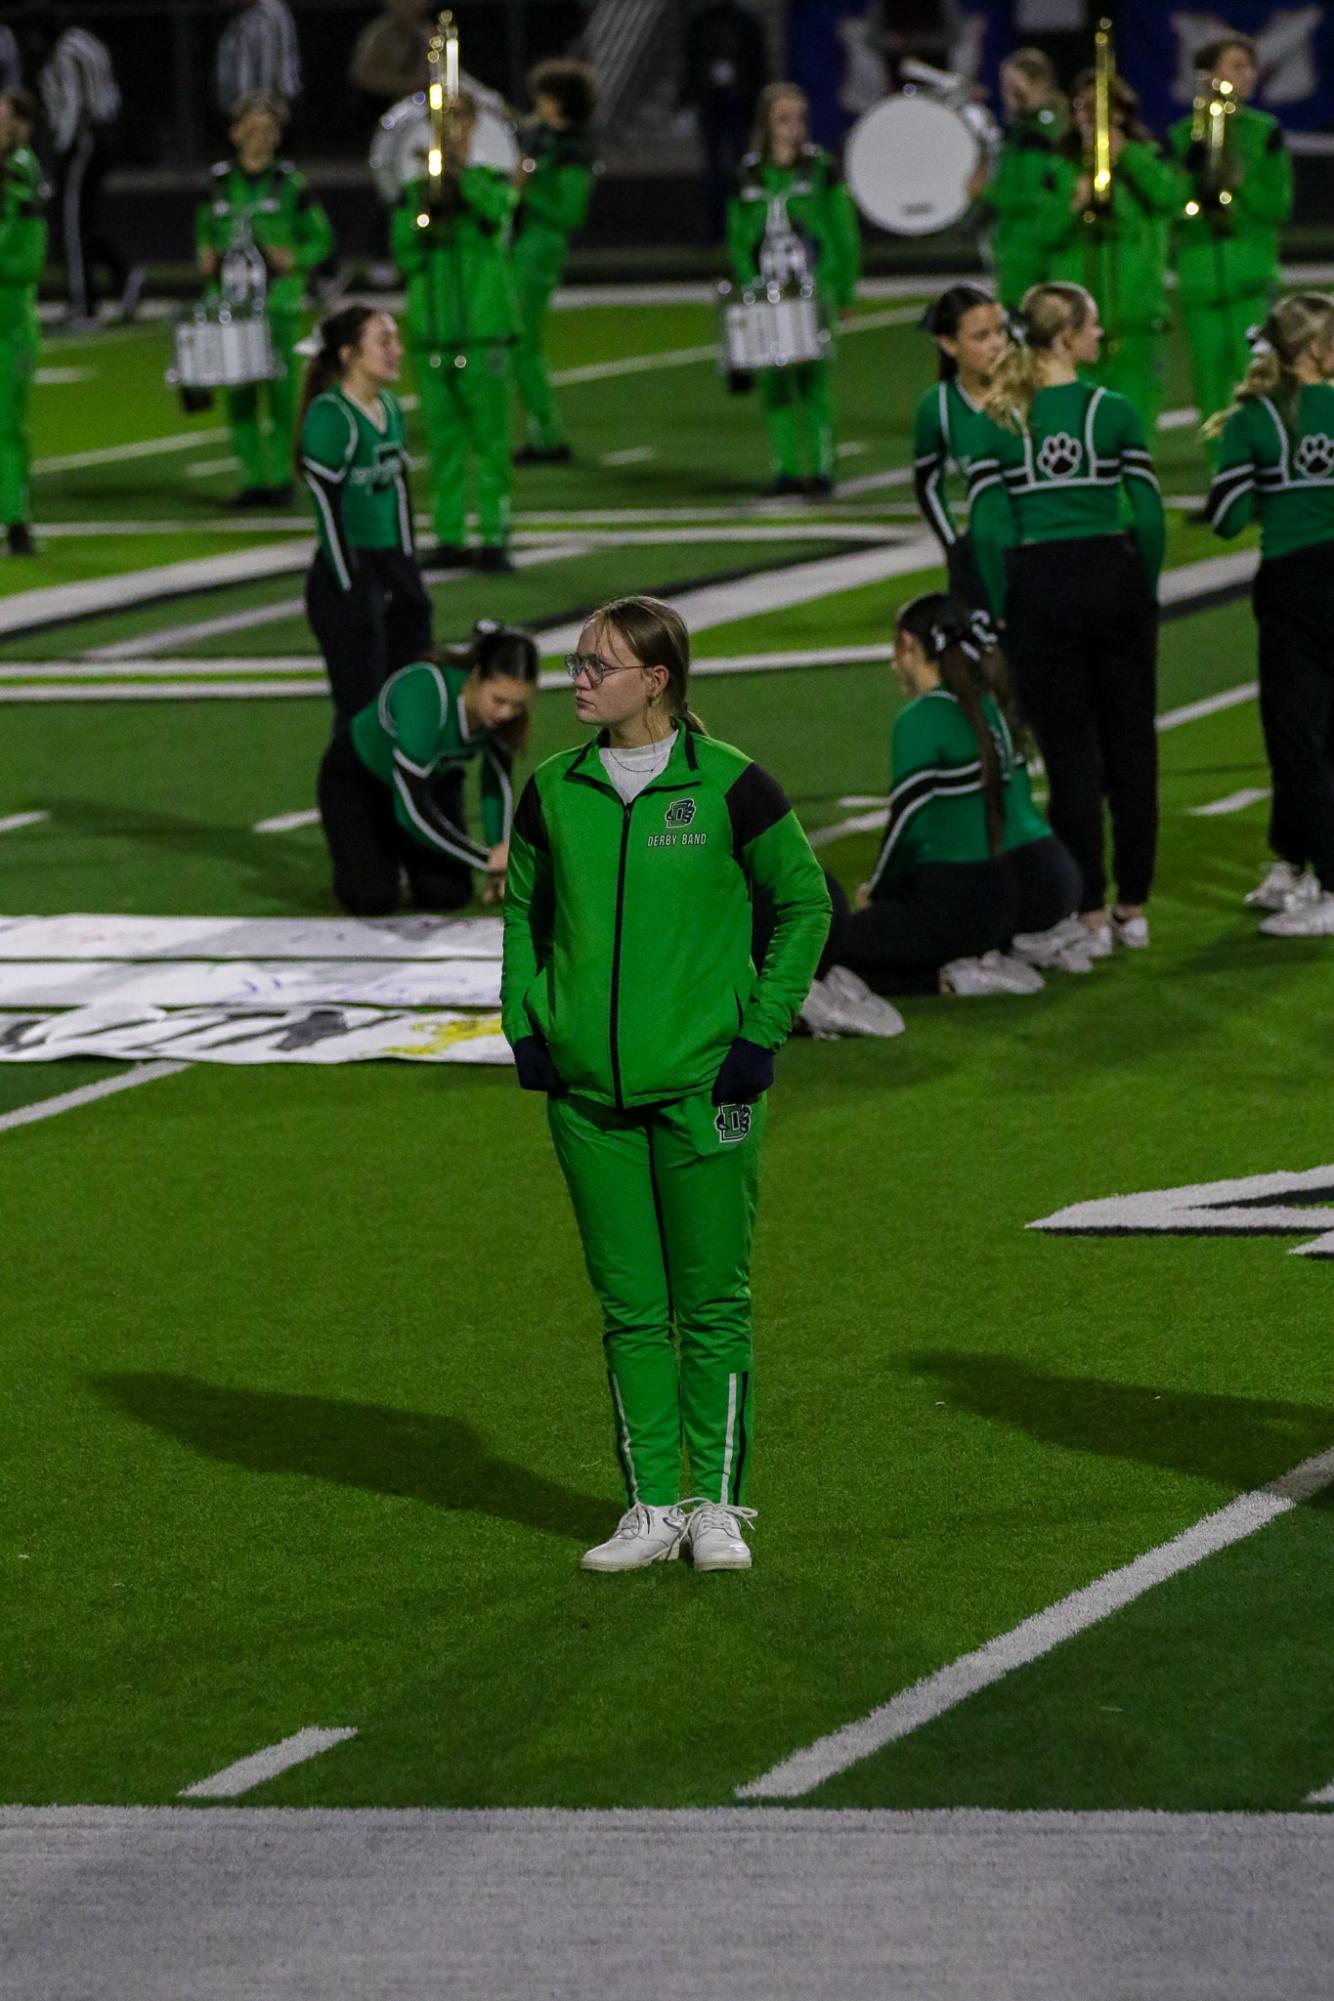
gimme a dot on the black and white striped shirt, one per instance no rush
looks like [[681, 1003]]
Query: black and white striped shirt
[[78, 88], [258, 55]]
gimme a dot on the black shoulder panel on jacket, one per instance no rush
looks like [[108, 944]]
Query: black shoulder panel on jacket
[[755, 802], [529, 819], [1276, 143]]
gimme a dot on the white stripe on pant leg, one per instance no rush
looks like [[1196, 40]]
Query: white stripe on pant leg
[[626, 1453], [731, 1424]]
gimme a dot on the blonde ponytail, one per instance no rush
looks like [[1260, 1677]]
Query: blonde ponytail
[[1045, 312], [1295, 324]]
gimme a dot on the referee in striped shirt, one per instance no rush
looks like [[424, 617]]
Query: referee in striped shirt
[[81, 104]]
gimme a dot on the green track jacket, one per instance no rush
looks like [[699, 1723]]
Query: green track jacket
[[457, 269], [282, 214], [1121, 258], [628, 928], [554, 201], [22, 247], [1018, 197], [1232, 253]]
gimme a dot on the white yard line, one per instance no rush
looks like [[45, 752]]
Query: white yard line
[[157, 691], [247, 1773], [1178, 420], [722, 535], [688, 357], [68, 1101], [1324, 1797], [287, 823], [1210, 705], [250, 665], [141, 448], [13, 821], [1233, 802], [54, 603], [851, 448], [860, 823], [205, 468], [807, 1769], [631, 455]]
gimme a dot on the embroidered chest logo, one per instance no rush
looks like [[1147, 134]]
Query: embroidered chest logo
[[732, 1124], [1315, 455], [680, 813], [390, 464], [1060, 456]]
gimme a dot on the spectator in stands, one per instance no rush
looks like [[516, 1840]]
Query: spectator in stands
[[11, 60], [389, 61], [80, 101], [726, 67], [257, 56]]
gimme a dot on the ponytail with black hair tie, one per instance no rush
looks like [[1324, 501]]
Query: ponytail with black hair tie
[[982, 631], [1259, 338], [1016, 326]]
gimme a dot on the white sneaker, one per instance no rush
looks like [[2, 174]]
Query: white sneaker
[[643, 1535], [1043, 948], [1132, 932], [967, 977], [1278, 883], [1099, 941], [1305, 917], [842, 1004], [1018, 977], [714, 1540]]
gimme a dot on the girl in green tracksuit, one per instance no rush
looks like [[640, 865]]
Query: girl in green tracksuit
[[22, 256], [630, 997], [260, 206], [790, 220], [557, 185], [1276, 463], [1016, 192], [454, 254], [1120, 256], [951, 428]]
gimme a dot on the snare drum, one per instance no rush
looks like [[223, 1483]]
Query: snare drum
[[771, 329], [223, 347]]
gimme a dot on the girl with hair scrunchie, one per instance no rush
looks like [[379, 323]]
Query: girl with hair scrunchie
[[951, 429]]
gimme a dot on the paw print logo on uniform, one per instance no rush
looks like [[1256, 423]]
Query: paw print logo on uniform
[[1315, 455], [1060, 456]]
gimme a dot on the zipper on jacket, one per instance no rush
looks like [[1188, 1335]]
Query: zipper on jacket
[[626, 811]]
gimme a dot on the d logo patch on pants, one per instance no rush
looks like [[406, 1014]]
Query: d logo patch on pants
[[732, 1124]]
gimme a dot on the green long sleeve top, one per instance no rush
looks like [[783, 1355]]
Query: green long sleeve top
[[1063, 479], [417, 730], [23, 244], [357, 472], [1017, 196], [457, 269], [816, 206], [280, 212], [937, 812], [1231, 252], [948, 430], [1277, 466], [554, 200], [628, 928], [1121, 257]]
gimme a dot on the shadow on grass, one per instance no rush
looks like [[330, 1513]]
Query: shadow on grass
[[1240, 1442], [286, 873], [421, 1457]]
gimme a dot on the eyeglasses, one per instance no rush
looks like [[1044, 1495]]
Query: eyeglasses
[[596, 668]]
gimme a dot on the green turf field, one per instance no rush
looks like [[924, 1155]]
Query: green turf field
[[306, 1423]]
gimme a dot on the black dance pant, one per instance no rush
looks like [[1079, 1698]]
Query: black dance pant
[[1082, 640], [1294, 607], [368, 632], [78, 204], [1046, 882], [941, 912], [370, 850]]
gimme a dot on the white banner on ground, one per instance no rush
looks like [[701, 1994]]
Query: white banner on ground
[[44, 983], [116, 937], [254, 1035]]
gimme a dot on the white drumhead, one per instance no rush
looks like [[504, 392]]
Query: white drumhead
[[403, 139], [908, 162]]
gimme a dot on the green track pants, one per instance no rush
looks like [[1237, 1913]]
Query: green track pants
[[665, 1203], [262, 416], [1133, 365], [532, 378], [798, 406], [1216, 336], [465, 407], [18, 360]]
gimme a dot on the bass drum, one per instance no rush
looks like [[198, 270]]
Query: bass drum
[[908, 163], [403, 139]]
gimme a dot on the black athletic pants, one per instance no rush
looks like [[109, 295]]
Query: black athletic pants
[[1046, 882], [369, 632], [368, 847], [942, 911], [84, 244], [1082, 640], [1294, 607], [965, 577]]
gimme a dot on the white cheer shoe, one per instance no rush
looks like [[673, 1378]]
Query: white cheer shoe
[[1279, 884], [714, 1539], [843, 1004], [1019, 977], [643, 1535], [1304, 917], [1132, 933]]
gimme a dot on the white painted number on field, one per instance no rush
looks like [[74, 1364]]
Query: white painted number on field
[[1259, 1205]]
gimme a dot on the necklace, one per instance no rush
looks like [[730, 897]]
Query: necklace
[[635, 763]]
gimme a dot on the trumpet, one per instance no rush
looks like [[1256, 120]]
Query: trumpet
[[1100, 162], [442, 92], [1210, 127]]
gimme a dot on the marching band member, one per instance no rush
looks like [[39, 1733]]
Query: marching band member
[[792, 219], [22, 256], [1081, 601], [82, 103], [1016, 192], [461, 325], [951, 427], [555, 187], [1121, 256], [391, 781], [1227, 240], [365, 598], [1277, 463], [257, 200]]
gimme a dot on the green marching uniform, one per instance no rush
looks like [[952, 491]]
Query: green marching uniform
[[22, 256], [627, 953], [1121, 258], [785, 223], [277, 210], [1227, 255], [1277, 464], [365, 598], [950, 430], [1080, 605], [461, 323], [554, 203], [1017, 197], [391, 794]]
